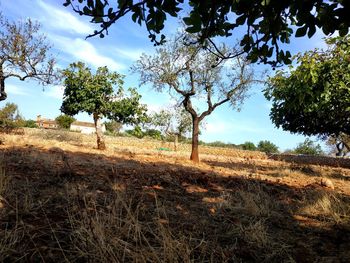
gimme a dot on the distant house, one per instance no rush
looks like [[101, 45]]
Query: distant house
[[85, 127], [46, 123]]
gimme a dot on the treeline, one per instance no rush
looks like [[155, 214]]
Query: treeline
[[159, 126]]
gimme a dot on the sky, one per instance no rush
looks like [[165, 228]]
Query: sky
[[123, 45]]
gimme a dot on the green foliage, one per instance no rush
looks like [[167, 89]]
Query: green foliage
[[153, 133], [94, 94], [24, 53], [222, 145], [136, 132], [308, 147], [30, 124], [172, 120], [267, 147], [64, 121], [10, 116], [313, 99], [194, 75], [250, 146], [268, 25], [113, 127]]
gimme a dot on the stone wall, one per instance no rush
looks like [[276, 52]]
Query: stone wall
[[309, 159]]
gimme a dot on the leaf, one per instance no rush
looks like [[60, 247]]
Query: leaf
[[312, 31], [301, 31]]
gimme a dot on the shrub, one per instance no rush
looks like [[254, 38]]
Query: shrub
[[248, 146], [64, 121], [308, 147], [136, 132], [113, 127], [30, 124], [267, 147], [153, 133]]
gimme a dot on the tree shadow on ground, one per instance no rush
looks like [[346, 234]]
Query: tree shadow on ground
[[223, 219], [275, 170]]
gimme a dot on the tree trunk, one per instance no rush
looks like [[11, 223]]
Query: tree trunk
[[100, 140], [3, 94], [176, 142], [195, 133]]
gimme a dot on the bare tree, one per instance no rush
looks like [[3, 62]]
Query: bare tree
[[193, 74], [24, 53]]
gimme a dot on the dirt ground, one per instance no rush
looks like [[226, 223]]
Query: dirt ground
[[62, 200]]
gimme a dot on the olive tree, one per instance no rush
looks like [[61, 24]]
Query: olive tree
[[95, 94], [24, 53], [188, 72]]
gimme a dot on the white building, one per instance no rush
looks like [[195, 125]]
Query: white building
[[85, 127]]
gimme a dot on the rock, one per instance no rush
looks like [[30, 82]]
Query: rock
[[325, 182]]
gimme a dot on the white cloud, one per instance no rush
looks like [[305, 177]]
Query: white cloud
[[63, 20], [54, 92], [82, 50], [131, 54], [12, 89]]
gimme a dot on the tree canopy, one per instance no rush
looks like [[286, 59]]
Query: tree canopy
[[266, 23], [187, 72], [64, 121], [94, 94], [173, 120], [10, 116], [308, 147], [24, 53], [267, 147], [313, 98]]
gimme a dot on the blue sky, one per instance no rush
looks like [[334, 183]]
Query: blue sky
[[123, 46]]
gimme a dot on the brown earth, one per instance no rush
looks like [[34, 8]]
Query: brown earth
[[63, 200]]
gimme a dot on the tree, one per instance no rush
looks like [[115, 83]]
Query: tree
[[187, 71], [267, 147], [24, 53], [94, 94], [30, 124], [113, 127], [267, 23], [308, 147], [340, 144], [64, 121], [173, 120], [10, 116], [161, 120], [249, 146], [313, 97]]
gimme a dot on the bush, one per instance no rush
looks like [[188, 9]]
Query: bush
[[222, 144], [248, 146], [64, 121], [30, 124], [113, 127], [10, 117], [153, 133], [136, 132], [308, 147], [267, 147]]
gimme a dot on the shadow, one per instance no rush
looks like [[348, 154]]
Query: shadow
[[246, 165], [224, 217], [275, 171]]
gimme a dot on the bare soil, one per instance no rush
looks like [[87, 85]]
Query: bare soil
[[63, 200]]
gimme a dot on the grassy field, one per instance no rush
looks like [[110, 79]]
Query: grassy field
[[61, 200]]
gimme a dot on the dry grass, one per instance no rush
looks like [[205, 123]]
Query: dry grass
[[63, 200]]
